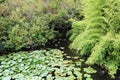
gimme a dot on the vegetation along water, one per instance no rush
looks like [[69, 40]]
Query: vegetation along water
[[59, 40]]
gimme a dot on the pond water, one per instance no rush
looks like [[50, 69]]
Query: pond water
[[63, 43]]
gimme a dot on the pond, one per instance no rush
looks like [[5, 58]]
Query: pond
[[63, 43], [54, 61]]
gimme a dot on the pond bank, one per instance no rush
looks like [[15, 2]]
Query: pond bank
[[62, 44]]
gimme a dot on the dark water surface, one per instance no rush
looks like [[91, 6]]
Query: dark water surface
[[63, 43]]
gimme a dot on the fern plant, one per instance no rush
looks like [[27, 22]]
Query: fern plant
[[77, 28], [94, 29], [106, 52], [102, 49], [101, 38]]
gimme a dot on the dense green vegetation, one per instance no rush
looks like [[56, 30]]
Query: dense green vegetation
[[26, 24], [99, 38], [40, 65], [92, 27], [22, 26]]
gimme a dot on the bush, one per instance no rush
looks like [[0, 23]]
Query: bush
[[95, 27], [24, 27], [26, 24], [77, 28], [100, 39]]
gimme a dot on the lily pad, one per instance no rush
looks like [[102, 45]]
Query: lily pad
[[89, 70], [40, 65]]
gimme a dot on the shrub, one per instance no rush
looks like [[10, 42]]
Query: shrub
[[94, 29], [77, 28], [31, 23], [100, 39], [23, 27]]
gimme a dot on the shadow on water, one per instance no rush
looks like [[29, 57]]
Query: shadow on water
[[63, 43]]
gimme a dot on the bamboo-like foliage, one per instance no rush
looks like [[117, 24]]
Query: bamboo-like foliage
[[94, 29], [101, 38]]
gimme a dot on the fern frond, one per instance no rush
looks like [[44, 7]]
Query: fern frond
[[78, 27], [101, 50]]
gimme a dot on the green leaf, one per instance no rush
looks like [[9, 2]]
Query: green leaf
[[88, 78], [6, 78], [87, 75], [89, 70], [78, 74]]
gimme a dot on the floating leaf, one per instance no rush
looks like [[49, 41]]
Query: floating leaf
[[87, 75], [78, 74], [38, 65], [49, 77], [89, 78], [6, 78], [89, 70]]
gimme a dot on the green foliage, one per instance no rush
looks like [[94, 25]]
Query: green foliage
[[88, 77], [22, 26], [38, 65], [64, 10], [89, 70], [100, 39], [101, 50], [77, 28], [106, 53], [1, 1], [25, 24], [29, 35], [95, 27]]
